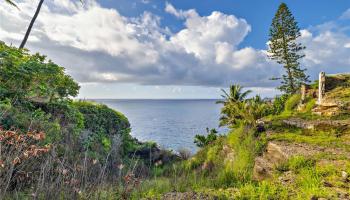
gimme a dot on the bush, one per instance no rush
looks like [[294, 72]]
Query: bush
[[18, 152], [202, 141], [32, 78], [90, 142], [292, 102], [278, 104], [101, 125]]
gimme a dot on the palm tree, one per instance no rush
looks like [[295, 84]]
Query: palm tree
[[234, 105], [235, 94], [238, 110], [29, 29], [11, 3]]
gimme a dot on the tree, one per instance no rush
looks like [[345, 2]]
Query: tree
[[232, 105], [11, 3], [202, 141], [238, 110], [29, 29], [286, 50], [235, 94]]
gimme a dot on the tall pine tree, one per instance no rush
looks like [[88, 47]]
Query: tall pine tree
[[285, 49]]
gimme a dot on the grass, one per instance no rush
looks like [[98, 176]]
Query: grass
[[224, 168], [321, 139]]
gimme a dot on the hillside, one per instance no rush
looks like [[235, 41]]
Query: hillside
[[294, 147], [302, 153], [54, 147]]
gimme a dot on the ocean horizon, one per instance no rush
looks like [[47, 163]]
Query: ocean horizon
[[171, 123]]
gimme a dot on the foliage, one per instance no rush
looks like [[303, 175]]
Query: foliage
[[278, 104], [90, 142], [12, 3], [100, 118], [17, 152], [101, 124], [237, 110], [285, 49], [235, 94], [26, 77], [290, 104], [202, 140]]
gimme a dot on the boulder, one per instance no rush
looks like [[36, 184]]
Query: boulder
[[264, 165]]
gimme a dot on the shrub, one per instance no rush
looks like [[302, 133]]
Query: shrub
[[278, 104], [32, 78], [291, 103], [202, 141], [18, 151]]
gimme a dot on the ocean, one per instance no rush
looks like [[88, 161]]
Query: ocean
[[172, 124]]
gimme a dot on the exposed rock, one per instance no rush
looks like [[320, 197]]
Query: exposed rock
[[264, 165], [344, 176], [187, 196], [287, 178], [314, 124], [279, 152], [328, 108], [299, 123]]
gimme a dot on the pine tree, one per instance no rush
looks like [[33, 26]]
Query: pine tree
[[285, 49]]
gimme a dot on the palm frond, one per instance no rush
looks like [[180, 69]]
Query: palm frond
[[12, 3]]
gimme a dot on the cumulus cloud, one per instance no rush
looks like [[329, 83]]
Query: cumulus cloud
[[327, 51], [99, 45], [169, 8]]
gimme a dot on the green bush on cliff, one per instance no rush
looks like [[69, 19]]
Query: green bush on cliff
[[88, 140], [25, 77], [202, 141], [103, 123]]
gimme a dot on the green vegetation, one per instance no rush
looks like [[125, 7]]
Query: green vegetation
[[52, 147], [224, 168], [85, 145], [202, 141]]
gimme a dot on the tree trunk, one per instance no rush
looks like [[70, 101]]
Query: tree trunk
[[24, 41]]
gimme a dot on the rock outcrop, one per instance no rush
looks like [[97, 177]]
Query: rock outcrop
[[265, 164], [278, 152], [315, 124]]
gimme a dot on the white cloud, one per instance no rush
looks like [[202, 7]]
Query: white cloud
[[98, 44], [169, 8], [345, 15], [326, 51]]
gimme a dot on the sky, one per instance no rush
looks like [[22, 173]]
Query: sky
[[156, 49]]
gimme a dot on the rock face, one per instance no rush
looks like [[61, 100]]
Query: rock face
[[332, 87], [279, 152], [264, 165], [186, 196], [314, 124], [328, 108]]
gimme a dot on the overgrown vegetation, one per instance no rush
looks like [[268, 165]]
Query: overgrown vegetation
[[54, 147]]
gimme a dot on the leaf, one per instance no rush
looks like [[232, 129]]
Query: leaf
[[12, 3]]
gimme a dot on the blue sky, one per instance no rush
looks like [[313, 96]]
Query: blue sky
[[176, 48], [258, 13]]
